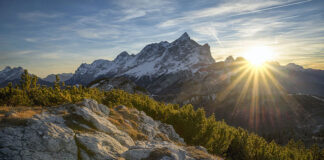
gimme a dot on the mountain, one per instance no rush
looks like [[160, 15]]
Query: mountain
[[122, 83], [63, 77], [302, 81], [13, 75], [10, 74], [152, 61], [88, 130]]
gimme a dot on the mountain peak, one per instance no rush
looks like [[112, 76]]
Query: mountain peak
[[123, 54], [184, 36], [7, 68], [229, 59]]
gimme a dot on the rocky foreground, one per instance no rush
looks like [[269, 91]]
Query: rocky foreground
[[89, 130]]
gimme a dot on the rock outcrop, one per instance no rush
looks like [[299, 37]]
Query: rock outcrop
[[89, 130]]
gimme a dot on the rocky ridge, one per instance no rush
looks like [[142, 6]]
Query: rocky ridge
[[89, 130]]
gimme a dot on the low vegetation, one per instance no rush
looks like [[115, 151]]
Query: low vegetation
[[196, 129]]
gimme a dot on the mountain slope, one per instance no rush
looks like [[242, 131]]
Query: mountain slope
[[122, 83], [63, 77]]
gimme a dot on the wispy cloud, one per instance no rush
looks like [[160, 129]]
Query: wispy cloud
[[31, 39], [229, 9], [33, 16], [131, 14]]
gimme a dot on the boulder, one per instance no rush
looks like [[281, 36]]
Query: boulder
[[95, 107], [170, 132], [45, 137], [99, 146], [104, 125], [155, 150]]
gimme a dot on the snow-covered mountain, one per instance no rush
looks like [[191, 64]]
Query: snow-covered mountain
[[63, 77], [10, 74], [13, 74], [154, 60]]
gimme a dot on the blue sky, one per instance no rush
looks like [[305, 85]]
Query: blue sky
[[47, 36]]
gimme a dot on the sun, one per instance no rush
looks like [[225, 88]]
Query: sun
[[258, 55]]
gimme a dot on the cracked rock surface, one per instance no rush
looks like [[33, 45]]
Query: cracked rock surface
[[86, 131]]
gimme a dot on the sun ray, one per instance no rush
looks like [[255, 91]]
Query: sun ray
[[223, 94], [244, 91]]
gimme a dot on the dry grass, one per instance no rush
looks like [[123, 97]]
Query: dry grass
[[16, 116], [162, 137], [199, 154], [126, 122]]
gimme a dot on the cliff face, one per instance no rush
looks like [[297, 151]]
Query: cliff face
[[89, 130]]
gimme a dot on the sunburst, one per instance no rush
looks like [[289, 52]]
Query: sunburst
[[255, 80]]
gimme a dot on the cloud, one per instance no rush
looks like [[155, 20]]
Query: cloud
[[131, 9], [96, 33], [228, 9], [31, 39], [33, 16], [24, 52], [145, 4], [50, 56], [131, 14]]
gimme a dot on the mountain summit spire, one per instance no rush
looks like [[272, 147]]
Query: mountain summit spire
[[184, 36]]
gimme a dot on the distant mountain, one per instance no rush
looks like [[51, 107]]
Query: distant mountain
[[10, 74], [153, 61], [63, 77], [296, 79], [13, 75]]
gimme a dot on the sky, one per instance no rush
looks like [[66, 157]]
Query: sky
[[46, 36]]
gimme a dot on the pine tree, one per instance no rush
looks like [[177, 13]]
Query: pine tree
[[10, 87], [34, 81], [57, 83], [25, 81]]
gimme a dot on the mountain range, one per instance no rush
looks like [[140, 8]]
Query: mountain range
[[288, 102], [9, 74], [153, 61]]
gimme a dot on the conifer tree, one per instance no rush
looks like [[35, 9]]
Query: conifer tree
[[10, 87], [25, 81], [34, 81], [57, 83]]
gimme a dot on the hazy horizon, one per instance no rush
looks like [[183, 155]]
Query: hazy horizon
[[48, 37]]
